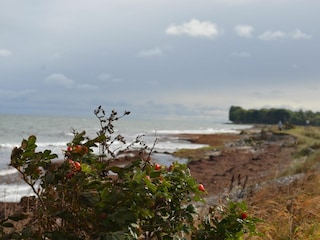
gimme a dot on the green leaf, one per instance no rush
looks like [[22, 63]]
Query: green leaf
[[24, 144], [191, 209], [155, 174], [151, 186], [78, 137], [18, 217], [46, 153], [116, 169], [32, 140], [7, 224]]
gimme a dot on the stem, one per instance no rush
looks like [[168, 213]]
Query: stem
[[24, 177]]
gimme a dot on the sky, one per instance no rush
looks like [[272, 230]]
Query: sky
[[159, 59]]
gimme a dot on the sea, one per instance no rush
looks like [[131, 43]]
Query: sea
[[54, 132]]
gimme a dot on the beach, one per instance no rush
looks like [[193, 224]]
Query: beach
[[231, 160], [245, 160]]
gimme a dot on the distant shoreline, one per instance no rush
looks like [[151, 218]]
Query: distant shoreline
[[212, 139]]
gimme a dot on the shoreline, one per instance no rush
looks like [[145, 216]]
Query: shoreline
[[227, 156], [244, 160]]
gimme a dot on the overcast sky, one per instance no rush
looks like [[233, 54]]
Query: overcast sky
[[158, 58]]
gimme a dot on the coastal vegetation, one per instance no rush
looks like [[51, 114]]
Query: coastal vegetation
[[291, 210], [88, 196], [288, 202], [273, 115]]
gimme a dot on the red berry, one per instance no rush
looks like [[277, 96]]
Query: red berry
[[243, 216], [77, 149], [77, 166], [148, 178], [201, 188], [69, 149], [157, 167]]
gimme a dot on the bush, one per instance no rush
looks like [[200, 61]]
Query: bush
[[230, 221], [86, 196]]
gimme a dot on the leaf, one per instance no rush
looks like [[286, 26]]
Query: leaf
[[191, 209], [7, 224], [151, 186], [78, 137], [32, 140], [155, 174], [116, 169], [24, 144], [18, 217]]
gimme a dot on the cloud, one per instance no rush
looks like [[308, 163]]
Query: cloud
[[151, 52], [244, 30], [270, 36], [297, 34], [276, 35], [59, 80], [106, 77], [5, 53], [194, 28], [88, 87]]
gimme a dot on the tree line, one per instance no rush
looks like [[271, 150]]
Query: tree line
[[273, 115]]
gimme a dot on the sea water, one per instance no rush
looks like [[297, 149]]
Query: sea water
[[55, 132]]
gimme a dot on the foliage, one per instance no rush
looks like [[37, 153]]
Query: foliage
[[273, 116], [87, 196], [229, 221]]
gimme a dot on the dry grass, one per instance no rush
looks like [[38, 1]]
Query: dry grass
[[289, 212], [292, 211]]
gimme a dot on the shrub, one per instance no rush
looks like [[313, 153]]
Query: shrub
[[87, 196], [230, 221]]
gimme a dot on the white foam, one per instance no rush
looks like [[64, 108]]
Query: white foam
[[14, 192], [39, 144], [9, 145], [9, 171]]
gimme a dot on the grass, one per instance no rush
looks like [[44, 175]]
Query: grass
[[292, 211], [195, 154]]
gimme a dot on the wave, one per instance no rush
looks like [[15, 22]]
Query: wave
[[39, 144], [9, 171], [193, 131], [14, 192]]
